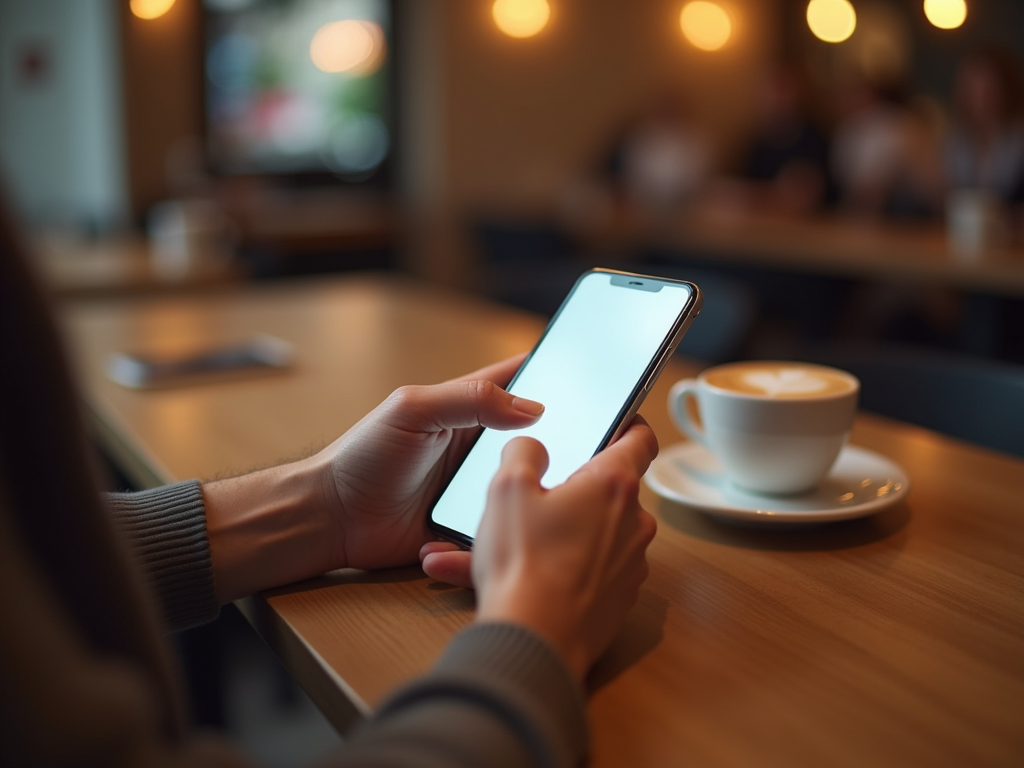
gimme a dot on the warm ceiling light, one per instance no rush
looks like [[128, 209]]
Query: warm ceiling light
[[831, 20], [705, 24], [151, 9], [352, 46], [521, 18], [946, 14]]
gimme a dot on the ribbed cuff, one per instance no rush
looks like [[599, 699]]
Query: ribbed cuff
[[166, 528], [509, 670]]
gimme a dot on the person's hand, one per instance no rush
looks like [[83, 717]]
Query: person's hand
[[382, 475], [566, 562], [362, 501]]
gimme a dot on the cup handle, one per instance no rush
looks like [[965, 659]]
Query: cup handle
[[680, 393]]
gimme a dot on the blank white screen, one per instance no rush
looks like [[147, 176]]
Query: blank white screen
[[583, 371]]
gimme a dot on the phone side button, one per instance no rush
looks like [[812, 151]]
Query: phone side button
[[657, 370]]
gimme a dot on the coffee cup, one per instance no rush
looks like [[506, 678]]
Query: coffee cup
[[975, 220], [185, 233], [775, 427]]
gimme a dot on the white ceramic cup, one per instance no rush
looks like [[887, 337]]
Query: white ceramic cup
[[775, 427], [975, 220], [184, 233]]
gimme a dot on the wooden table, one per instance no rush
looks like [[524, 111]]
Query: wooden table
[[829, 245], [75, 269], [896, 640], [286, 231]]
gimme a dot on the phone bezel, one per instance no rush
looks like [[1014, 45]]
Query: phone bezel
[[636, 397]]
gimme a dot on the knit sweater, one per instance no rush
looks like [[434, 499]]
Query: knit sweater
[[91, 584]]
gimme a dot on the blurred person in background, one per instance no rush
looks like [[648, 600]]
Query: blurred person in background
[[886, 162], [786, 162], [884, 155], [662, 159], [985, 148]]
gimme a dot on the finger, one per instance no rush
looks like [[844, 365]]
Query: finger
[[523, 462], [648, 527], [500, 373], [459, 404], [637, 447], [453, 567], [437, 546]]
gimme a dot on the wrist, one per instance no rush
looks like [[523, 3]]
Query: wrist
[[271, 527], [539, 616]]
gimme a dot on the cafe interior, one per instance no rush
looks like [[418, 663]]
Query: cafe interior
[[843, 179]]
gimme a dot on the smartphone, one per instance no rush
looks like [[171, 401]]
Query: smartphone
[[260, 354], [592, 367]]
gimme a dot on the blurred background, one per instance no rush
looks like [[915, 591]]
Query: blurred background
[[833, 169], [834, 174]]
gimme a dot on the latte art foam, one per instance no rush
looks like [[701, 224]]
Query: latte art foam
[[780, 380]]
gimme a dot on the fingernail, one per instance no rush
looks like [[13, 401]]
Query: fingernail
[[532, 407]]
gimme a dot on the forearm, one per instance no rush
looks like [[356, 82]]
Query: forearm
[[270, 527]]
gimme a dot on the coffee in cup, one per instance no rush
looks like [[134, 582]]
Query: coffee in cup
[[775, 427]]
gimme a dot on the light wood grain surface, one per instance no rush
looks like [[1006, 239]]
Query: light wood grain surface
[[896, 640]]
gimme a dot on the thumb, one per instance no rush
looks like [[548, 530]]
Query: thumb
[[460, 404], [452, 566]]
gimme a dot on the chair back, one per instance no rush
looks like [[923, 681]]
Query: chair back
[[981, 401], [725, 324]]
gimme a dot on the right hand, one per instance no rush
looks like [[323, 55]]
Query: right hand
[[567, 562]]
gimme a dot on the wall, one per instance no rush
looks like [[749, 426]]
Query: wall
[[61, 156], [521, 119], [525, 114], [162, 84]]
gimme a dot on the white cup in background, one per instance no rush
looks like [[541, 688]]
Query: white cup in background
[[775, 427], [975, 220], [183, 233]]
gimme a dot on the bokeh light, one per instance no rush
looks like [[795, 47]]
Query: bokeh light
[[945, 14], [352, 46], [831, 20], [706, 25], [521, 18], [151, 9]]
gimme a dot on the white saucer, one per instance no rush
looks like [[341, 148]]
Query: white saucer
[[861, 483]]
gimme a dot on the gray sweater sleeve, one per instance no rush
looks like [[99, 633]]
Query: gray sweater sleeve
[[499, 696], [166, 531]]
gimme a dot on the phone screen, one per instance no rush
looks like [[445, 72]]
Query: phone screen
[[588, 369]]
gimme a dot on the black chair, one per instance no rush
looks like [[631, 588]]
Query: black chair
[[977, 400], [533, 264], [730, 310], [529, 264]]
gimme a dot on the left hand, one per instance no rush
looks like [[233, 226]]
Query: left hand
[[381, 476], [362, 501]]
